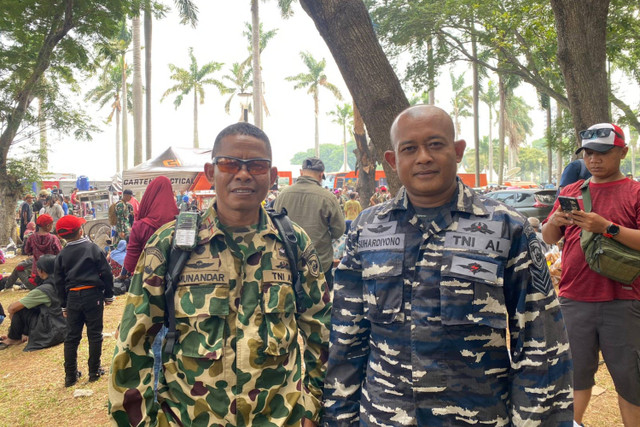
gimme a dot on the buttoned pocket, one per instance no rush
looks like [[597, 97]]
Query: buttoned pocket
[[280, 327], [201, 312], [383, 285], [471, 291]]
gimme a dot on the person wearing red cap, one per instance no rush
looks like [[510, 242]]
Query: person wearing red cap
[[601, 314], [40, 243], [84, 283]]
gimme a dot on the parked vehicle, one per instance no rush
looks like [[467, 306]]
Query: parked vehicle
[[529, 202]]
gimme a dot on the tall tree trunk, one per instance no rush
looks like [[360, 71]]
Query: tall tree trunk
[[257, 74], [42, 127], [125, 127], [317, 127], [476, 109], [346, 27], [431, 71], [559, 141], [344, 146], [195, 119], [490, 144], [148, 38], [137, 93], [549, 150], [501, 112], [117, 114], [365, 161], [582, 36]]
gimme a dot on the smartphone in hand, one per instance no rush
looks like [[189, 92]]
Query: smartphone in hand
[[568, 204]]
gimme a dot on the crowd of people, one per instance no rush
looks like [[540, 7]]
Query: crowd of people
[[440, 311]]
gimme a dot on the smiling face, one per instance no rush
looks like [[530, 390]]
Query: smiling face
[[240, 195], [425, 154]]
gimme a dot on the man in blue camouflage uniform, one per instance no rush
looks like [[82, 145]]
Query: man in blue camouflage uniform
[[444, 313], [250, 351]]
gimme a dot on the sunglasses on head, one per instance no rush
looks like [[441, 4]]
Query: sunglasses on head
[[228, 164], [598, 133]]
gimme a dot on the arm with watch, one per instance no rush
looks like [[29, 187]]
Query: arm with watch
[[595, 223]]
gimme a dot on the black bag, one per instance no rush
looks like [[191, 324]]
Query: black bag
[[606, 256]]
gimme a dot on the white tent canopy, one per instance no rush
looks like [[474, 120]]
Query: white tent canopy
[[180, 165]]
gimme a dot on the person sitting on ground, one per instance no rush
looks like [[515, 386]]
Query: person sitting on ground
[[2, 315], [38, 315], [20, 274], [116, 258], [40, 243]]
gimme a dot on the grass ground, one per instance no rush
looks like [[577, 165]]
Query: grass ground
[[32, 391]]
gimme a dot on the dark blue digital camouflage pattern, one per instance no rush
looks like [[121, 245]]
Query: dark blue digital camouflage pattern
[[449, 323]]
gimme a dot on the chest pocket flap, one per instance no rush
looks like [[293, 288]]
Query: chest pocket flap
[[383, 285], [471, 291]]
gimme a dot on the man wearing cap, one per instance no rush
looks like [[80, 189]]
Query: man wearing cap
[[444, 313], [39, 204], [601, 314], [316, 210], [26, 214], [84, 283]]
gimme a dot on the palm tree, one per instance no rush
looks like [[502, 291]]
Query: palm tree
[[264, 38], [313, 80], [518, 125], [112, 54], [137, 91], [108, 89], [343, 115], [490, 97], [189, 15], [194, 79], [285, 10], [461, 100], [238, 81]]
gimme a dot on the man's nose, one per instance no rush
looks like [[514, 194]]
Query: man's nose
[[423, 155]]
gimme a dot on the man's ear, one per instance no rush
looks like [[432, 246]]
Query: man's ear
[[274, 176], [209, 172], [459, 146], [390, 157]]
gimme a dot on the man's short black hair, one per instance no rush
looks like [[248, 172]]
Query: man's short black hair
[[352, 196], [127, 191], [46, 263], [241, 128]]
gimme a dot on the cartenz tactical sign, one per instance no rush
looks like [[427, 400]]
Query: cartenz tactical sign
[[180, 165]]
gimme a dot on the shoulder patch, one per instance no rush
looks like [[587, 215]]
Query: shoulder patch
[[540, 273], [310, 258]]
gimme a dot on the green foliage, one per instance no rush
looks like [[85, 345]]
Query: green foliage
[[193, 79], [331, 155], [22, 172]]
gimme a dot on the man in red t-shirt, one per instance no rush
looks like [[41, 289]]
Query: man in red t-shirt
[[601, 314]]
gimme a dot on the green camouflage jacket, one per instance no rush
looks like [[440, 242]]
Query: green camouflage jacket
[[238, 360]]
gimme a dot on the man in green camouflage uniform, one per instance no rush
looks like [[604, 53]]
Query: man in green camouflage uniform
[[237, 360], [124, 210]]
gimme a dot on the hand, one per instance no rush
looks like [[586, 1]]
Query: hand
[[108, 302], [590, 221], [64, 314], [561, 218], [308, 423]]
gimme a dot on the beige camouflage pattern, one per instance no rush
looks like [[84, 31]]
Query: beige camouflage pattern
[[237, 361]]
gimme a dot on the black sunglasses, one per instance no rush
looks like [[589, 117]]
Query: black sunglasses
[[228, 164], [598, 133]]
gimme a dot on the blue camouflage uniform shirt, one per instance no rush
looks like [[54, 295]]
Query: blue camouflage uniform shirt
[[447, 323]]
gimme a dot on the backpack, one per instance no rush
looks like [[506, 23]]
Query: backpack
[[113, 218], [178, 258]]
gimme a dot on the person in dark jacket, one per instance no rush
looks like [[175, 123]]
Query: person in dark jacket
[[38, 315], [84, 282]]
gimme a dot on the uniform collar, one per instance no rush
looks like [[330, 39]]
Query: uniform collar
[[465, 200], [307, 180], [211, 227]]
